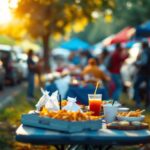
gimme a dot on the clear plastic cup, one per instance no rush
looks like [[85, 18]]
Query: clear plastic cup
[[110, 112], [95, 102]]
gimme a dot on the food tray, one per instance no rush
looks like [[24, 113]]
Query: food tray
[[35, 120], [130, 127]]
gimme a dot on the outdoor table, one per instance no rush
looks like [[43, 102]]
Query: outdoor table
[[81, 93], [102, 137]]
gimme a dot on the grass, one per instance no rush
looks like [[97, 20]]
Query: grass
[[6, 40], [10, 120]]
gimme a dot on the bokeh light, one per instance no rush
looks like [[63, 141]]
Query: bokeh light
[[13, 3], [5, 14]]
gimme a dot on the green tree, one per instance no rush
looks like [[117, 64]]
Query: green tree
[[126, 13], [46, 18]]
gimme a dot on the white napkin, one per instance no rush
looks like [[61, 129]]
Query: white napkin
[[63, 85], [72, 105], [52, 103], [42, 101]]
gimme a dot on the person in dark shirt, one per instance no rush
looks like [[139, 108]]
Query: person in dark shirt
[[117, 59], [143, 75], [31, 72]]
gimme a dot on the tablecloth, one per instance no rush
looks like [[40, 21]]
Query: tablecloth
[[81, 93]]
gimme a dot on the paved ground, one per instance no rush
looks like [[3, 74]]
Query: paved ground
[[9, 92]]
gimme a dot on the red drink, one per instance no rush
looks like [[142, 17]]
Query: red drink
[[95, 106]]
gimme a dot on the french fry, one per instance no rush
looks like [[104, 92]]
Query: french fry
[[69, 115], [135, 113]]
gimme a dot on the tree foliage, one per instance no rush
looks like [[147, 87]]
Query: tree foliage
[[132, 12], [47, 18], [126, 13]]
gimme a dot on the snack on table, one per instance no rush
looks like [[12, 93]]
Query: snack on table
[[69, 118], [126, 125], [64, 103], [131, 115], [136, 113], [69, 115]]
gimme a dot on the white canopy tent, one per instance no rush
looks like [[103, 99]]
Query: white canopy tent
[[61, 52]]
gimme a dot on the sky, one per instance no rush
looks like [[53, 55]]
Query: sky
[[5, 12]]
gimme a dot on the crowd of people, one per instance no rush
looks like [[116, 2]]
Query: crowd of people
[[107, 68]]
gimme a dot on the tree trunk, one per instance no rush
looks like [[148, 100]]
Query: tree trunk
[[46, 53]]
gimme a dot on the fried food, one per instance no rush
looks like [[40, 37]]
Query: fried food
[[64, 103], [69, 115], [136, 113]]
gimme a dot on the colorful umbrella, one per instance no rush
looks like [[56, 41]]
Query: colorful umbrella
[[143, 30], [75, 44], [123, 36]]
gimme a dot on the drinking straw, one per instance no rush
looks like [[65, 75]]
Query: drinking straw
[[97, 84]]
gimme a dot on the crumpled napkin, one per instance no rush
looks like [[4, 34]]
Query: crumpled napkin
[[42, 101], [72, 105], [50, 102]]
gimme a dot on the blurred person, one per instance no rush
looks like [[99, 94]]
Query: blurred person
[[31, 73], [116, 60], [75, 58], [85, 55], [88, 54], [143, 66], [93, 70], [84, 59], [104, 60]]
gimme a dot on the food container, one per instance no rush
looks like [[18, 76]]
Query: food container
[[130, 119], [34, 120]]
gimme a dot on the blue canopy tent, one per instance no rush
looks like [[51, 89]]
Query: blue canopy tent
[[143, 30], [75, 44]]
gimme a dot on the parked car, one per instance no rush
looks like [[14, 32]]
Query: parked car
[[2, 75], [22, 63], [10, 63]]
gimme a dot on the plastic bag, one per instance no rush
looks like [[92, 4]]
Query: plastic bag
[[71, 105], [42, 101], [52, 103]]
